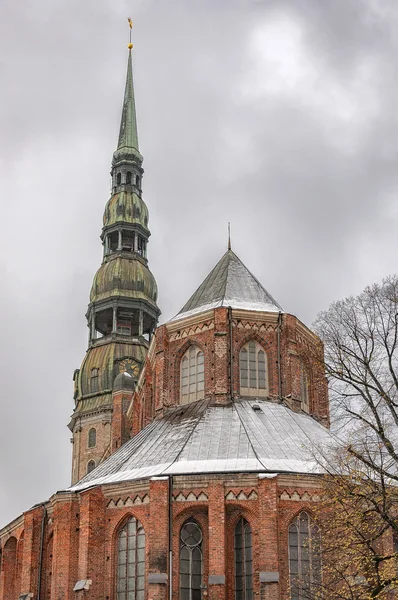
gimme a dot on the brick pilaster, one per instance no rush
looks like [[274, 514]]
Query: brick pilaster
[[65, 542], [158, 539], [217, 542], [268, 537], [92, 541]]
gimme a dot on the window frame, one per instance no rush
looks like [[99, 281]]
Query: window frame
[[139, 573], [90, 468], [298, 591], [190, 593], [94, 380], [192, 372], [89, 438], [304, 389], [246, 371], [247, 591]]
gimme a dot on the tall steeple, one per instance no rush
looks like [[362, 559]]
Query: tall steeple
[[128, 134], [123, 313]]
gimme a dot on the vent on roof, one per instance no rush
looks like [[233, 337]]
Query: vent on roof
[[256, 407]]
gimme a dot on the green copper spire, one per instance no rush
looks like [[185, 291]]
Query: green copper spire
[[128, 136]]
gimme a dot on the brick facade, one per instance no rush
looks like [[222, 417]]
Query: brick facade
[[80, 534], [74, 535]]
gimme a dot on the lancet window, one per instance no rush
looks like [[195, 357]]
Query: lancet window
[[94, 380], [191, 561], [92, 438], [192, 375], [253, 370], [90, 466], [243, 561], [304, 389], [130, 573], [304, 557]]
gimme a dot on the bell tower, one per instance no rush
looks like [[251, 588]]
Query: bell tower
[[123, 313]]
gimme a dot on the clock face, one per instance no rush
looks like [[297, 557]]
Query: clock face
[[128, 365]]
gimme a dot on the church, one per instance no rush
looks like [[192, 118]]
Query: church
[[193, 475]]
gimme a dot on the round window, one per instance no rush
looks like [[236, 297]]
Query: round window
[[191, 534]]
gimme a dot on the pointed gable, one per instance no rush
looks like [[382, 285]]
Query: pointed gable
[[230, 283]]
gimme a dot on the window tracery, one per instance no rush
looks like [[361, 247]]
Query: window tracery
[[304, 557], [191, 561], [253, 370], [243, 561], [130, 574], [192, 375]]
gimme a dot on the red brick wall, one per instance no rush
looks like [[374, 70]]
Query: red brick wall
[[299, 349], [82, 533]]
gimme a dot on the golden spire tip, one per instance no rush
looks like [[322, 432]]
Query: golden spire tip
[[130, 45]]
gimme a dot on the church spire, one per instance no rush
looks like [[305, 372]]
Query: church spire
[[128, 136]]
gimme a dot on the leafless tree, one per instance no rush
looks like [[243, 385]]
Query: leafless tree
[[358, 515]]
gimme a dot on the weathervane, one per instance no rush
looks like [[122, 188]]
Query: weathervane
[[130, 45]]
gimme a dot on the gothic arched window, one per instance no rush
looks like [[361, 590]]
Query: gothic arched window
[[130, 574], [243, 561], [94, 381], [253, 370], [9, 567], [192, 375], [304, 389], [191, 559], [92, 438], [90, 466], [304, 557]]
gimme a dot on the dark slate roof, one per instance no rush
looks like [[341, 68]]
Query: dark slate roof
[[201, 438], [230, 283]]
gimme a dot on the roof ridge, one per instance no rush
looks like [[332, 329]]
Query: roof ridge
[[201, 404], [248, 437], [257, 280]]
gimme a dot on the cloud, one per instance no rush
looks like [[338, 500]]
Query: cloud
[[279, 116]]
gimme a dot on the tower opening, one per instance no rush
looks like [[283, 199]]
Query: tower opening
[[113, 241], [119, 179], [128, 177], [102, 323], [128, 239]]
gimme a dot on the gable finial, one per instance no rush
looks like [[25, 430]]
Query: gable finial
[[229, 235], [130, 45]]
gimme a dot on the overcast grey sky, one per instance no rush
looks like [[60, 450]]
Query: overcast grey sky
[[277, 115]]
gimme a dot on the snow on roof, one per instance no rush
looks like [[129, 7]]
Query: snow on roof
[[230, 283], [199, 438]]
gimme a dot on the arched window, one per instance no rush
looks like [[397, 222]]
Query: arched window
[[253, 370], [192, 375], [9, 567], [130, 574], [90, 466], [118, 178], [304, 389], [304, 557], [191, 560], [128, 177], [92, 438], [243, 561], [137, 181], [94, 381]]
